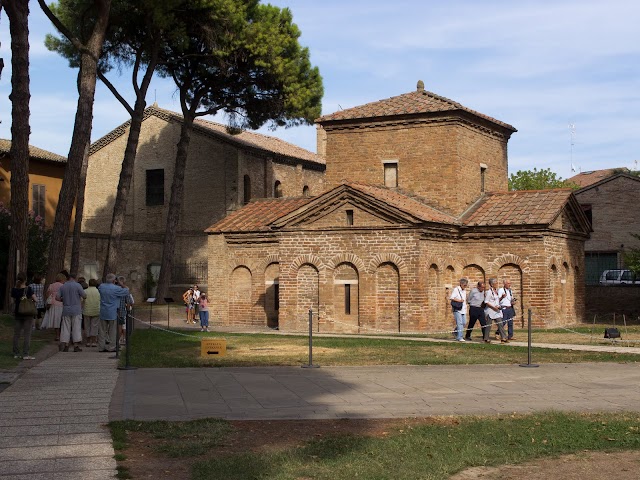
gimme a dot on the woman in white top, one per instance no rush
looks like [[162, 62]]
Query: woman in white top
[[493, 311], [459, 295]]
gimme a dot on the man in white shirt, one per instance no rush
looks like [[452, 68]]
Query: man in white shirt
[[459, 314], [196, 302], [493, 310], [506, 302]]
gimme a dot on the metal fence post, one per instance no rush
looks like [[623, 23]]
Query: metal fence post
[[529, 364], [310, 365], [128, 332]]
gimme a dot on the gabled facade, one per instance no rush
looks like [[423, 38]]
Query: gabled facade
[[611, 204], [224, 171]]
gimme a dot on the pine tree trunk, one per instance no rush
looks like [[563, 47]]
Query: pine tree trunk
[[18, 14], [77, 227], [124, 187], [81, 137], [175, 207]]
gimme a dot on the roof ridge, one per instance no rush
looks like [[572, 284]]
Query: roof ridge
[[208, 127]]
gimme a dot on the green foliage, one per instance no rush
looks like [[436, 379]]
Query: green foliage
[[632, 257], [38, 241], [243, 58], [538, 180]]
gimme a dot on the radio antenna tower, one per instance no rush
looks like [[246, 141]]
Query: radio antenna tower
[[572, 131]]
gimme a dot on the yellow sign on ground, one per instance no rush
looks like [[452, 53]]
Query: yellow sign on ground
[[213, 347]]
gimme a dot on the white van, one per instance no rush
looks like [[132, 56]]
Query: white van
[[618, 277]]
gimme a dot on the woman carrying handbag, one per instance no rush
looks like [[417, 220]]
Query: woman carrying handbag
[[24, 313]]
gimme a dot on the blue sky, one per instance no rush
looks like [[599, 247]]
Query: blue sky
[[538, 65]]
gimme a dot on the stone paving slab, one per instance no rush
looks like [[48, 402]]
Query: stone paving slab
[[373, 392], [53, 420]]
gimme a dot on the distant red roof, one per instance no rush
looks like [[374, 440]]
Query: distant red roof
[[258, 214], [412, 103], [584, 179], [527, 207]]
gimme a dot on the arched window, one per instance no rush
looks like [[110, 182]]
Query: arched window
[[305, 191], [277, 189], [247, 189]]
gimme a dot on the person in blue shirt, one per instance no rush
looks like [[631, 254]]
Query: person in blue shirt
[[110, 295]]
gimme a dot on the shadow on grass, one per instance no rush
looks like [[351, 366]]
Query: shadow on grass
[[433, 451]]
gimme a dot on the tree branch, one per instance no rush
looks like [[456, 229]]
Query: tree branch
[[64, 30], [134, 73], [115, 92]]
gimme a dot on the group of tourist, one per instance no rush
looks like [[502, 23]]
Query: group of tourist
[[94, 313], [487, 306], [196, 305]]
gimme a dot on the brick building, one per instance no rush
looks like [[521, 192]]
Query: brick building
[[224, 171], [611, 205], [416, 198]]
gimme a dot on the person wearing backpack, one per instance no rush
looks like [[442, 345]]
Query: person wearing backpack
[[24, 311]]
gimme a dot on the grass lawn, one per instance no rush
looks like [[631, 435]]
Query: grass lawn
[[152, 348], [38, 340], [434, 449]]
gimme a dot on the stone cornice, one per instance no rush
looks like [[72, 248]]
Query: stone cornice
[[408, 120]]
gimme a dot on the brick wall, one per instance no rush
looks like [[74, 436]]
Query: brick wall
[[403, 276], [603, 301], [615, 212], [213, 188], [439, 161]]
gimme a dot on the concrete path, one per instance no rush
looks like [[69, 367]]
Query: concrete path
[[52, 420], [372, 392]]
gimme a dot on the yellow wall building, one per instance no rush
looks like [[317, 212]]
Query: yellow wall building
[[46, 170]]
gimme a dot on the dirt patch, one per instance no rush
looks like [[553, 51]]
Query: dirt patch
[[143, 461], [582, 466]]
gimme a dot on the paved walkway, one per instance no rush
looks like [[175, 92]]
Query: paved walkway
[[372, 392], [52, 420]]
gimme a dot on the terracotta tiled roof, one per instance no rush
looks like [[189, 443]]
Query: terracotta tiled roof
[[258, 214], [249, 140], [412, 103], [528, 207], [584, 179], [34, 152], [405, 203]]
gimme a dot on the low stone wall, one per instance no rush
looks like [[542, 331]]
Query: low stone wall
[[606, 300]]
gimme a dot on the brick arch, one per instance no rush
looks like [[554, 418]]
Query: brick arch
[[245, 262], [442, 263], [510, 259], [392, 258], [268, 260], [554, 261], [476, 260], [308, 259], [347, 258]]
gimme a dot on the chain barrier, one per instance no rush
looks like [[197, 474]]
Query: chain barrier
[[150, 325], [387, 332]]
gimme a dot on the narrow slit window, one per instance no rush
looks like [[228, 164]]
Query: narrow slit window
[[483, 170], [349, 218], [347, 299], [247, 189], [276, 300], [277, 189], [391, 175]]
